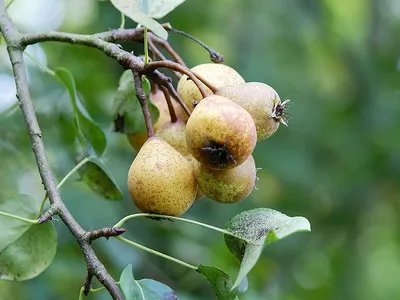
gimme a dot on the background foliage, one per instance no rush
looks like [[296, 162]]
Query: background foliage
[[337, 164]]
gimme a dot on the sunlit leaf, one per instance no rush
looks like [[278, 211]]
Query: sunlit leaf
[[144, 289], [96, 175], [221, 283], [26, 250], [160, 8], [137, 11], [88, 131], [254, 227], [128, 116]]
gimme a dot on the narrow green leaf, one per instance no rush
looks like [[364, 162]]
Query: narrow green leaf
[[222, 283], [96, 175], [128, 116], [160, 8], [144, 289], [88, 131], [254, 227], [26, 250], [137, 11]]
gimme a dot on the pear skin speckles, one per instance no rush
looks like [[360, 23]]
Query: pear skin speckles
[[228, 186], [220, 134], [161, 180], [261, 101], [174, 134], [217, 74]]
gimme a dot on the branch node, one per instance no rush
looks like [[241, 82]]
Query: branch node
[[104, 232], [48, 215]]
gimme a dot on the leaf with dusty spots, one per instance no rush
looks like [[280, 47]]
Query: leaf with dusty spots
[[137, 11], [160, 8], [221, 283], [26, 250], [96, 175], [144, 289], [128, 115], [252, 229]]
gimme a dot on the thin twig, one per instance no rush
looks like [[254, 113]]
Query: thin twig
[[143, 103], [104, 232], [170, 105], [88, 283], [175, 56], [161, 56], [215, 56]]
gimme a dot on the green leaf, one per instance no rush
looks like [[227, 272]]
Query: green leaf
[[26, 250], [89, 132], [137, 10], [222, 283], [144, 289], [252, 228], [96, 175], [160, 8], [128, 116]]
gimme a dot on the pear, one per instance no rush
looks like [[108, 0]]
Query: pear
[[218, 75], [158, 99], [220, 134], [174, 134], [161, 180], [196, 169], [262, 102], [228, 186]]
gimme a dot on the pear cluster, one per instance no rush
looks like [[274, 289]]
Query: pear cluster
[[209, 153]]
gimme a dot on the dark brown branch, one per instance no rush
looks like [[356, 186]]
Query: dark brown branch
[[175, 56], [170, 105], [163, 80], [15, 47], [104, 232], [161, 56], [177, 67], [143, 103]]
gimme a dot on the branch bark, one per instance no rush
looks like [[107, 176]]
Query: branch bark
[[15, 48]]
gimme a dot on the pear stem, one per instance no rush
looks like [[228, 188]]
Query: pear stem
[[215, 56], [170, 105], [161, 56], [175, 56], [143, 103], [182, 69], [152, 251]]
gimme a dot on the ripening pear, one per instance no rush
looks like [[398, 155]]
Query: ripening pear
[[228, 186], [161, 180], [220, 134], [263, 104], [174, 134], [196, 169], [158, 99], [218, 75]]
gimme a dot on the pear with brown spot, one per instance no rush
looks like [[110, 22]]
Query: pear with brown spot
[[161, 180], [228, 186], [158, 99], [218, 75], [220, 134], [263, 104]]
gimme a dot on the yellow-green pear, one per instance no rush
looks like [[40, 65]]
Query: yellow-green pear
[[220, 134], [161, 180], [262, 102], [228, 186], [174, 134], [158, 99], [196, 169], [218, 75]]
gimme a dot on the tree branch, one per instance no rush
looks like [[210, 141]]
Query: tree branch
[[15, 48]]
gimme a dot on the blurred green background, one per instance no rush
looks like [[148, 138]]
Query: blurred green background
[[338, 163]]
